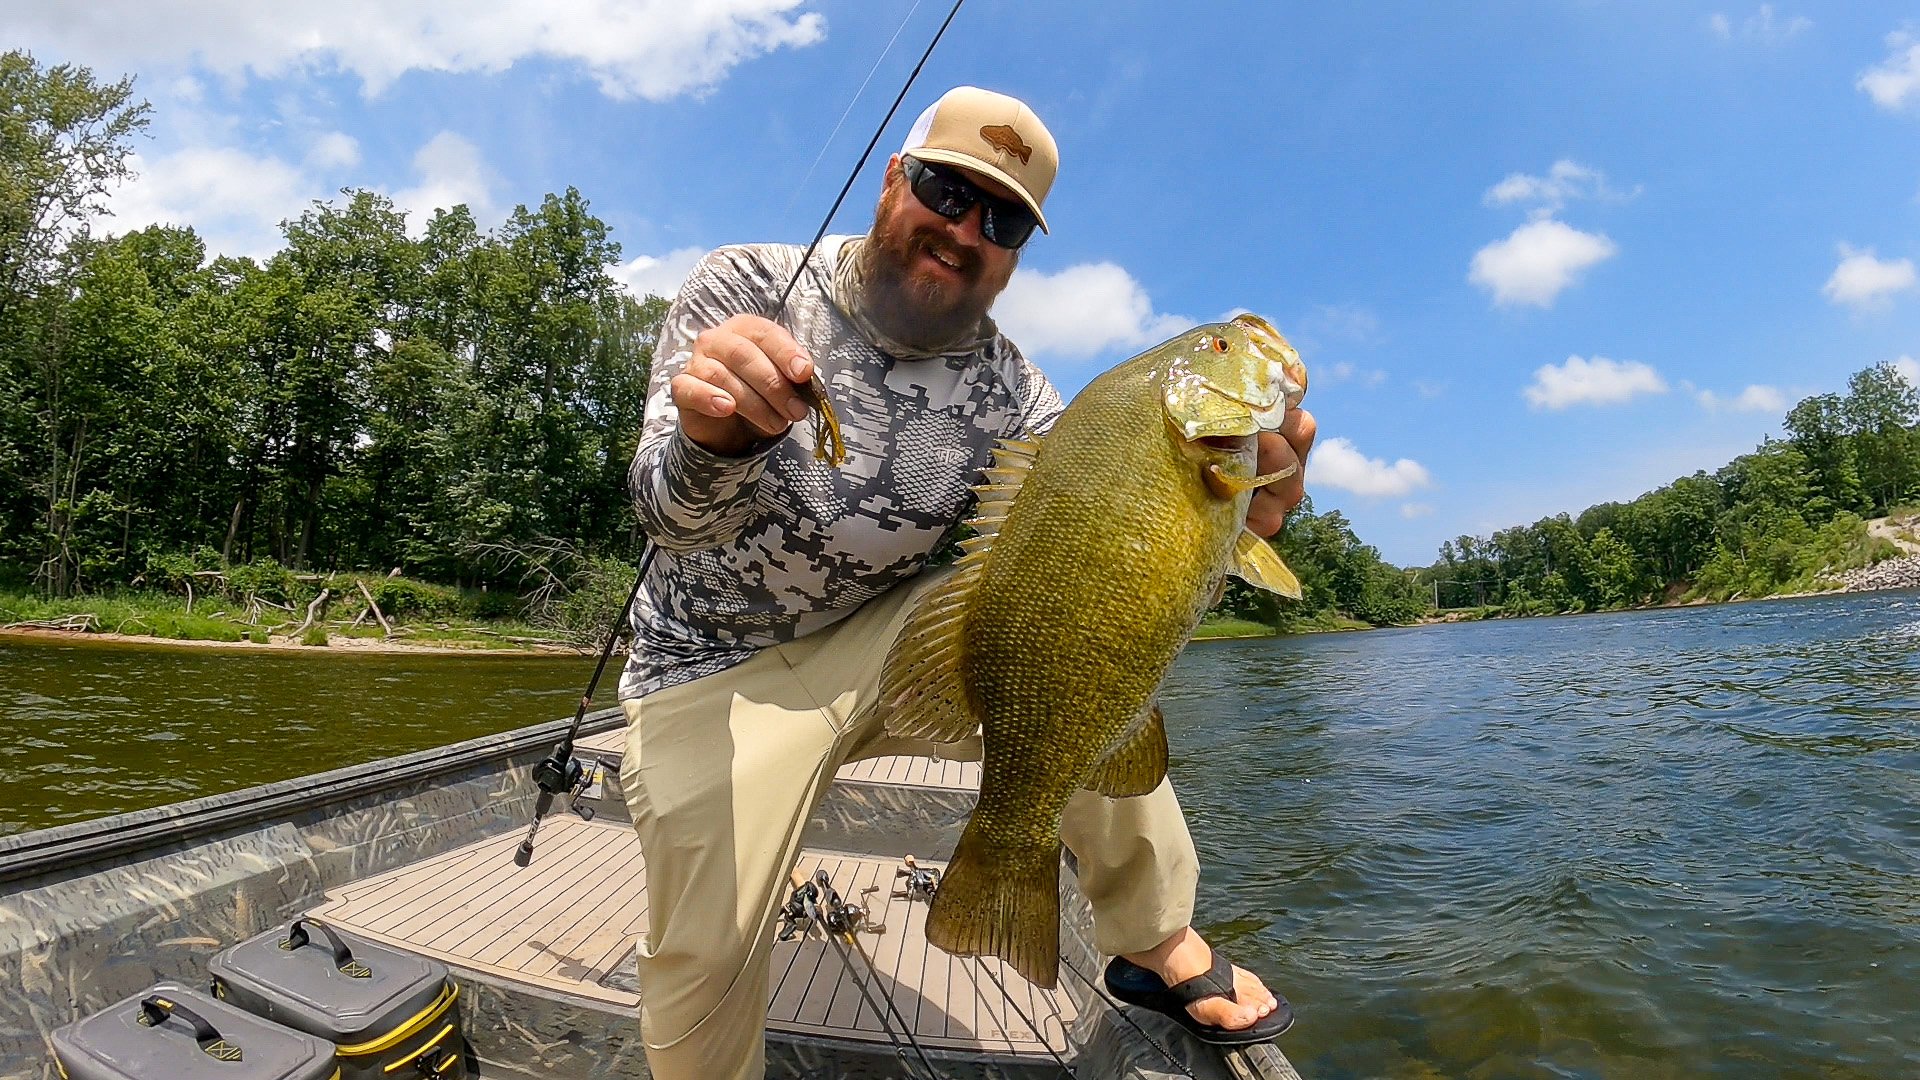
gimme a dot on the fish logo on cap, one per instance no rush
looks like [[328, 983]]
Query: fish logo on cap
[[1003, 138]]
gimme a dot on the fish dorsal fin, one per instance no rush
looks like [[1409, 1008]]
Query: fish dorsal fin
[[923, 688], [1012, 460], [1137, 761], [1255, 562]]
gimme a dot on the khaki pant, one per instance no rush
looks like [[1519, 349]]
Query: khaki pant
[[721, 775]]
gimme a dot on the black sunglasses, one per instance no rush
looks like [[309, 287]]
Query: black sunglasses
[[1005, 222]]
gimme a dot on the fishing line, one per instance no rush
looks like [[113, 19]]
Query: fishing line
[[1031, 1026], [835, 133], [559, 772], [809, 899], [1131, 1022], [861, 163]]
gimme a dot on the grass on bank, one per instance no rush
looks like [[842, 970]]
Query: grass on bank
[[146, 613], [1227, 626]]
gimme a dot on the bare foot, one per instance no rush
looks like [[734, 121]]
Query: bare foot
[[1185, 955]]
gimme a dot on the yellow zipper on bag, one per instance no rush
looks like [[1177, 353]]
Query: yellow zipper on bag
[[393, 1038], [428, 1045]]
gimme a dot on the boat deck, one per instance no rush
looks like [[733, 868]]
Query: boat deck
[[570, 921], [899, 769]]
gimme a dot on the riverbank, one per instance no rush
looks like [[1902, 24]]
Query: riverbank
[[1888, 575], [152, 619], [1230, 629], [338, 643], [161, 619]]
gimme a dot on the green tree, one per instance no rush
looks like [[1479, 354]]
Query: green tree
[[1880, 409], [1617, 576], [347, 266], [1818, 426], [63, 145]]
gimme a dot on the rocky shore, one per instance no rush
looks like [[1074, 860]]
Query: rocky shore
[[1900, 573]]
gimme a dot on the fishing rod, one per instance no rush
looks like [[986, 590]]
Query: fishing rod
[[560, 772], [1031, 1026], [839, 920]]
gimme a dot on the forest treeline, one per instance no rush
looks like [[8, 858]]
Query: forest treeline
[[1784, 518], [361, 398]]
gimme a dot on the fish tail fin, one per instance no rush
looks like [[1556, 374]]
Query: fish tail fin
[[991, 905]]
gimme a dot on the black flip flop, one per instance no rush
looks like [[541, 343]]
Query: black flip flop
[[1136, 985]]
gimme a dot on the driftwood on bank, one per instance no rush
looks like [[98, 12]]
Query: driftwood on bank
[[83, 623], [373, 607], [314, 609]]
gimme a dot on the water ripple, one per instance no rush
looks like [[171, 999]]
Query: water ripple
[[1680, 843]]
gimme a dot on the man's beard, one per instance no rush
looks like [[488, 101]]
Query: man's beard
[[917, 311]]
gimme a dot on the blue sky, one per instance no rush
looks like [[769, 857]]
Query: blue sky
[[1536, 255]]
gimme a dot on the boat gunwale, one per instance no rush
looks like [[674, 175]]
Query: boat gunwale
[[29, 854]]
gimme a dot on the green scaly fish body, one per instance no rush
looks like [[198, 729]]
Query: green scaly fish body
[[1100, 550]]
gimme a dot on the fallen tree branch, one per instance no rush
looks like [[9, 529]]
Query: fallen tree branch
[[319, 604], [373, 607], [83, 623]]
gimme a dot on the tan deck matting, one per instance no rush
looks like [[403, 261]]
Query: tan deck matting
[[567, 922], [892, 769]]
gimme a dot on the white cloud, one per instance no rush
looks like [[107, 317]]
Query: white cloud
[[1082, 311], [1763, 26], [1338, 463], [1348, 322], [1756, 398], [1346, 371], [658, 275], [1429, 389], [1565, 181], [334, 150], [654, 49], [1598, 381], [1865, 282], [451, 173], [1897, 78], [1410, 511], [233, 199], [1909, 369], [236, 200], [1537, 262]]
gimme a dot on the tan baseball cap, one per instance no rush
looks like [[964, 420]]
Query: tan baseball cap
[[991, 134]]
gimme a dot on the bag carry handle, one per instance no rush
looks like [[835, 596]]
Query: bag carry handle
[[156, 1010], [297, 939]]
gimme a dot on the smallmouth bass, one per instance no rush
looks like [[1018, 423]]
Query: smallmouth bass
[[1099, 549]]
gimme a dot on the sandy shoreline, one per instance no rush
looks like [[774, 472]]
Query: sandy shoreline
[[335, 644]]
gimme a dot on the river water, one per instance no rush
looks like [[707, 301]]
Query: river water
[[96, 728], [1668, 844]]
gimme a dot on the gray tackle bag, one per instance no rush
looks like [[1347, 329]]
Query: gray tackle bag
[[390, 1015], [173, 1033]]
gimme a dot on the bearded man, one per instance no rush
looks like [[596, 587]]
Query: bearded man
[[761, 628]]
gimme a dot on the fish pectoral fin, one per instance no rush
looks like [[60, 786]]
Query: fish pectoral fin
[[1138, 761], [1256, 563], [923, 686], [1227, 487]]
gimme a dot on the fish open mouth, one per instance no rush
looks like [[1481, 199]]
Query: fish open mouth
[[1231, 444]]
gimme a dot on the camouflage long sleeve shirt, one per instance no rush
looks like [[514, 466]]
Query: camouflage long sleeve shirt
[[764, 548]]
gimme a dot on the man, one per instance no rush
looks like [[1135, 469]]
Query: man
[[762, 626]]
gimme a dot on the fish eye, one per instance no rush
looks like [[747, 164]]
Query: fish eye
[[1219, 344]]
